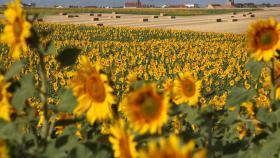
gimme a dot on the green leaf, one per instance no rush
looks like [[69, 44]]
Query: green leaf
[[255, 68], [232, 117], [68, 56], [239, 95], [67, 101], [50, 49], [271, 146], [14, 70], [25, 91]]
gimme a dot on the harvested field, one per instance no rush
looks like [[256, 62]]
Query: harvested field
[[197, 23]]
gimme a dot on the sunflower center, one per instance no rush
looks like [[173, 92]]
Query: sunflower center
[[95, 88], [188, 87], [150, 106], [17, 27], [268, 39]]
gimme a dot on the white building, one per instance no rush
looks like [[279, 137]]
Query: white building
[[191, 5]]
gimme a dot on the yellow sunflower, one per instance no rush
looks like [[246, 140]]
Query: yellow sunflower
[[146, 109], [4, 152], [17, 29], [171, 147], [122, 141], [264, 39], [186, 89], [5, 97], [94, 94]]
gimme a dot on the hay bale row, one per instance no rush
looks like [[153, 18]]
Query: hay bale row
[[162, 14], [252, 15], [234, 20], [144, 19], [62, 13], [154, 16], [95, 19], [100, 24], [70, 16], [172, 17], [218, 20]]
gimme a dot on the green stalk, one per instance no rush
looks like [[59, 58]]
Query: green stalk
[[44, 96], [273, 88]]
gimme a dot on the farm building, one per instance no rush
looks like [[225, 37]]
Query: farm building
[[137, 4]]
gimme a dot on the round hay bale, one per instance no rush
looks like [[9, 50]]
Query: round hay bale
[[62, 13], [244, 15], [76, 16], [70, 16], [252, 15], [40, 20], [232, 16], [234, 13], [234, 20], [218, 20], [144, 19], [99, 15], [95, 19], [117, 16], [91, 14], [172, 17], [100, 24], [154, 17]]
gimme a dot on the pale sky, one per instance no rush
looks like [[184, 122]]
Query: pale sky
[[120, 2]]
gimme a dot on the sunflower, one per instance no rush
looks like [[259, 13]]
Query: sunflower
[[122, 141], [5, 97], [264, 39], [17, 29], [4, 152], [171, 147], [186, 89], [146, 109], [94, 94]]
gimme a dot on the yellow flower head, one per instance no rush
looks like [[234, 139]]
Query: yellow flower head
[[5, 97], [186, 89], [4, 152], [94, 94], [17, 29], [171, 147], [146, 109], [122, 141], [264, 39]]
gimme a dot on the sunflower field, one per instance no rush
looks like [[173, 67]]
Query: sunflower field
[[78, 91]]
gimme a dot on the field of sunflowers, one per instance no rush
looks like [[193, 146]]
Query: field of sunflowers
[[71, 91]]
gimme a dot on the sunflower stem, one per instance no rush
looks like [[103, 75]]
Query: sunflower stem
[[44, 96], [273, 94]]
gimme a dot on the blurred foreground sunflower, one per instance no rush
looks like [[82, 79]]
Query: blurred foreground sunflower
[[171, 147], [186, 89], [146, 109], [4, 153], [122, 141], [264, 39], [5, 96], [94, 94], [17, 29]]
